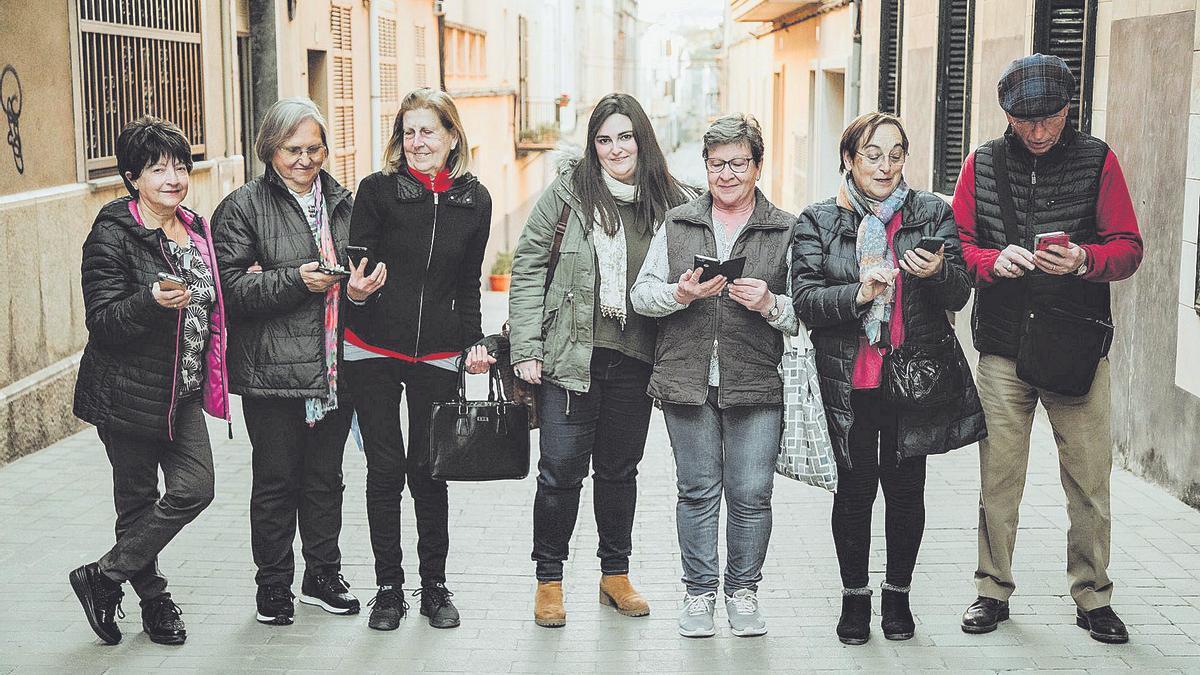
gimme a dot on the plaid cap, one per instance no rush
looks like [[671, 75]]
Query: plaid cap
[[1035, 86]]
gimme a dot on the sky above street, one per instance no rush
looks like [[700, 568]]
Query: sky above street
[[705, 12]]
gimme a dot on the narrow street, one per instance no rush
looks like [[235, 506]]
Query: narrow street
[[56, 510]]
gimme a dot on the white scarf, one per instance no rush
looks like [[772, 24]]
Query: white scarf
[[611, 253]]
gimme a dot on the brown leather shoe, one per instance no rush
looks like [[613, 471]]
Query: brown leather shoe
[[618, 593], [548, 608]]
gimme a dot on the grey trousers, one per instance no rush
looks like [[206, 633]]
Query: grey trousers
[[730, 451], [146, 520]]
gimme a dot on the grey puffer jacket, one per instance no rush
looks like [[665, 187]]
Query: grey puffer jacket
[[276, 331], [824, 287]]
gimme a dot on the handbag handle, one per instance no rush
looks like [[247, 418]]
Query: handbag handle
[[495, 387]]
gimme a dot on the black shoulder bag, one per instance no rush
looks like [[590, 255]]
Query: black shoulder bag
[[478, 440], [1059, 348]]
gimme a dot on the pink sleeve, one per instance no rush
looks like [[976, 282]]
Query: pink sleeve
[[980, 261], [1119, 252]]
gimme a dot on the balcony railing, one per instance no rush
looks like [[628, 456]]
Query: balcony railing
[[538, 124]]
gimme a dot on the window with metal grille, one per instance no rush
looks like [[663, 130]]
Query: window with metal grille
[[341, 30], [952, 118], [1067, 29], [138, 58], [891, 27]]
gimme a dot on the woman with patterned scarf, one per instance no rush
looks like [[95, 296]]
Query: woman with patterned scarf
[[279, 240], [865, 288], [574, 334]]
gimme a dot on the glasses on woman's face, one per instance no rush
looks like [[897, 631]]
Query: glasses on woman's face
[[1050, 123], [293, 153], [874, 158], [736, 165]]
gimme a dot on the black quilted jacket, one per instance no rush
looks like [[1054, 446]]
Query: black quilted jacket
[[276, 325], [824, 286]]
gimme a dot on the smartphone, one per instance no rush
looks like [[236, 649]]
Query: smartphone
[[1042, 242], [931, 244], [710, 267], [356, 254], [170, 282], [335, 271]]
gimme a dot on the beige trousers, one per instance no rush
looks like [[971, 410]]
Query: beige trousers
[[1084, 437]]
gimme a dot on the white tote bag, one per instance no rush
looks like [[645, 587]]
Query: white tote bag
[[805, 451]]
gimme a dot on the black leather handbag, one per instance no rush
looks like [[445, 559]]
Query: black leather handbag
[[478, 440], [924, 375]]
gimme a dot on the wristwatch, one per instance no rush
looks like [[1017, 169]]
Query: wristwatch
[[774, 312]]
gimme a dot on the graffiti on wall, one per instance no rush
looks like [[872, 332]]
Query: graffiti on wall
[[11, 101]]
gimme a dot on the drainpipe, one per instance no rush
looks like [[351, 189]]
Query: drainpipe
[[855, 67], [439, 10], [376, 87]]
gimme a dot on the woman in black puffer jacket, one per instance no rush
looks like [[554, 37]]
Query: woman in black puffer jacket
[[864, 288], [153, 364]]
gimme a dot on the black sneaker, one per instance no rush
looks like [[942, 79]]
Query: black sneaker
[[435, 604], [160, 620], [330, 592], [101, 600], [275, 605], [387, 608]]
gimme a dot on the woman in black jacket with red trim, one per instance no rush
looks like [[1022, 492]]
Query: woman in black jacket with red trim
[[424, 221]]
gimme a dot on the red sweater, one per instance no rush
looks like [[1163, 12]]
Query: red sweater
[[1116, 257]]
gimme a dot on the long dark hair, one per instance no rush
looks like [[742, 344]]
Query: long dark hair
[[657, 189]]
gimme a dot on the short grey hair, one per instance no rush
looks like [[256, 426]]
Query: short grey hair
[[736, 128], [281, 121]]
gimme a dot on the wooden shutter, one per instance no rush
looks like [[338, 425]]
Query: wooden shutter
[[891, 31], [343, 150], [1067, 29], [952, 123]]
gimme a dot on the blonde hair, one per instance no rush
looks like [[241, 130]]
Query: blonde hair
[[458, 161]]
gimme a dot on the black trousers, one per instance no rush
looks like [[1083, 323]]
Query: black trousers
[[378, 385], [605, 427], [147, 521], [873, 447], [297, 478]]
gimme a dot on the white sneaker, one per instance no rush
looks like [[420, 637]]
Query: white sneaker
[[744, 617], [696, 617]]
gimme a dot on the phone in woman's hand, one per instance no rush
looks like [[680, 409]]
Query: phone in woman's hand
[[170, 282]]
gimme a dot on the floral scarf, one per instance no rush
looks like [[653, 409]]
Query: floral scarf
[[315, 409], [873, 251]]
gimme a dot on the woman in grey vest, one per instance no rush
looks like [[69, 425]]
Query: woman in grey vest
[[573, 334], [724, 414]]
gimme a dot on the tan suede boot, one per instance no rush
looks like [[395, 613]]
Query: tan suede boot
[[548, 608], [618, 593]]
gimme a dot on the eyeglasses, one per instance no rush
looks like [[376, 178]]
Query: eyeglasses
[[876, 158], [736, 165], [1049, 122], [295, 152]]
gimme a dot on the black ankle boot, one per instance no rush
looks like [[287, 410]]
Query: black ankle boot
[[897, 620], [854, 627]]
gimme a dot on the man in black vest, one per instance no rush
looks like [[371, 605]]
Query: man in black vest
[[1044, 178]]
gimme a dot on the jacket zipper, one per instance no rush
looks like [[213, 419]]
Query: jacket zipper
[[175, 363], [1031, 206], [428, 262]]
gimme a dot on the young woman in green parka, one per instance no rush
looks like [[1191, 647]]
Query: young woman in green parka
[[590, 353]]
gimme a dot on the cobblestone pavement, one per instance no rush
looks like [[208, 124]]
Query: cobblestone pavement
[[56, 513]]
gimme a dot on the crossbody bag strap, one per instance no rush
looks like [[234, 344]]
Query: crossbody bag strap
[[560, 229], [1008, 211]]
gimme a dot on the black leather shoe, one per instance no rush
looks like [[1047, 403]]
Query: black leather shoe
[[435, 604], [275, 606], [101, 600], [1103, 625], [160, 620], [897, 623], [854, 627], [387, 608], [983, 615], [330, 592]]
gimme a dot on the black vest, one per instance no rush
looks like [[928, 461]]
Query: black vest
[[749, 349], [1056, 191]]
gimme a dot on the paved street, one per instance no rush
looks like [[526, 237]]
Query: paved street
[[56, 513]]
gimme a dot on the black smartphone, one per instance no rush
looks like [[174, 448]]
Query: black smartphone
[[931, 244], [170, 282], [356, 254], [335, 271], [710, 267]]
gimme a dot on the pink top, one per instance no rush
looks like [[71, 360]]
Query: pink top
[[868, 365]]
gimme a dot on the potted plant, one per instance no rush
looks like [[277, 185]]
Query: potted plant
[[501, 271]]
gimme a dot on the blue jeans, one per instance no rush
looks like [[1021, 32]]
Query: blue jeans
[[729, 450], [606, 427]]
